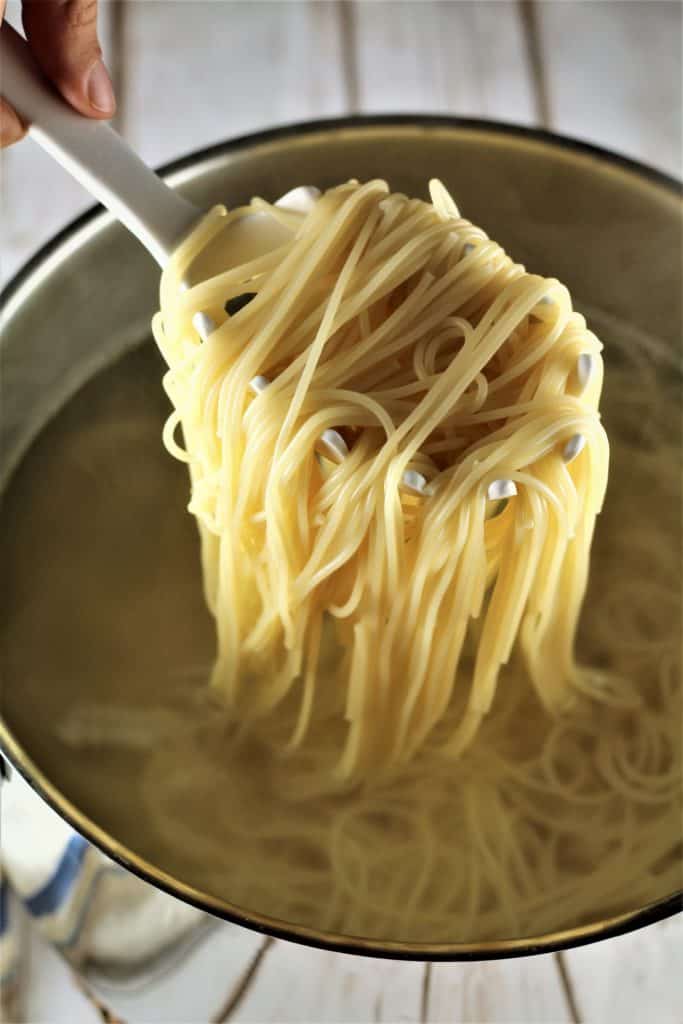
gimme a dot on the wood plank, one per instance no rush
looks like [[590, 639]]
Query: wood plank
[[613, 75], [526, 990], [198, 73], [456, 57], [38, 197], [631, 978], [297, 984]]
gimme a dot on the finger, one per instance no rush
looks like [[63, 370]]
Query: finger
[[63, 37], [11, 127]]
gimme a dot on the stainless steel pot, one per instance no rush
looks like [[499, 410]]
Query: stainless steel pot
[[609, 228]]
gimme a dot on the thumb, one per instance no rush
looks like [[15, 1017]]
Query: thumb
[[63, 37]]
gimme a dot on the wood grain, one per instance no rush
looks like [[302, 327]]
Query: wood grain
[[613, 75], [200, 72], [527, 991], [458, 57], [632, 978], [296, 984]]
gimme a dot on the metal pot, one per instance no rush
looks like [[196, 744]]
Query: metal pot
[[609, 228]]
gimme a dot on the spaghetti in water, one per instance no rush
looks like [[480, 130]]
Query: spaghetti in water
[[415, 752]]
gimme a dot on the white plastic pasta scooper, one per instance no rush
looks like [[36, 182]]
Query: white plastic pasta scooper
[[114, 174], [111, 171]]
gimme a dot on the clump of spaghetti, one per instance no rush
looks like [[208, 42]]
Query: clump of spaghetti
[[394, 431]]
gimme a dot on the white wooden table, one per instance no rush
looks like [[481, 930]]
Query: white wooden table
[[189, 73]]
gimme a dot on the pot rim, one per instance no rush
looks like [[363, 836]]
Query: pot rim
[[19, 759]]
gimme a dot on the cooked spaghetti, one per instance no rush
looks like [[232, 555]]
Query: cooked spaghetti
[[395, 451]]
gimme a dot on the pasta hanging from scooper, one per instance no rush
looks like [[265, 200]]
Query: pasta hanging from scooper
[[394, 430]]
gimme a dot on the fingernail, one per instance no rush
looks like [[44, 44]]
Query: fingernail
[[100, 91]]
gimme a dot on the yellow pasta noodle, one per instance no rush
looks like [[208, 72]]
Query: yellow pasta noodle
[[446, 372]]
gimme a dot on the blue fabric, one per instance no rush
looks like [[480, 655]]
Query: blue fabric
[[55, 892], [62, 898]]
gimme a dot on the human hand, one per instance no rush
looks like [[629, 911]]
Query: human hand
[[62, 35]]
